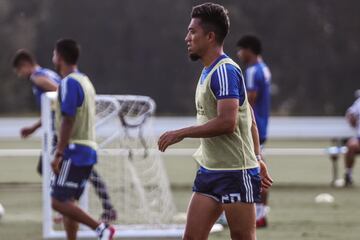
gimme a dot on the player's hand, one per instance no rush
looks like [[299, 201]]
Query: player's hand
[[26, 132], [56, 163], [352, 120], [169, 138], [266, 180]]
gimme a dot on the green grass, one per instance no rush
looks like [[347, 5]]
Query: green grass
[[294, 214]]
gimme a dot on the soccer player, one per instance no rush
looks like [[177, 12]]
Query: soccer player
[[353, 144], [42, 79], [45, 80], [230, 177], [75, 153], [257, 81]]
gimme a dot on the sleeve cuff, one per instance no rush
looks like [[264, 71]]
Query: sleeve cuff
[[228, 97], [68, 114]]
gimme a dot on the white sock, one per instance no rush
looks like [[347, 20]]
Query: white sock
[[260, 211], [100, 228]]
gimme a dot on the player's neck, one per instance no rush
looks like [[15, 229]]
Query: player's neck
[[68, 69], [211, 56], [254, 60], [35, 67]]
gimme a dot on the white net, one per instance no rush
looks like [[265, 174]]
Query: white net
[[128, 179], [132, 171]]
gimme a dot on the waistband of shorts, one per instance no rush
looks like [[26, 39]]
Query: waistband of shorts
[[204, 170]]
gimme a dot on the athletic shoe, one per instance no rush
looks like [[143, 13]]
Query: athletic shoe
[[107, 233], [261, 223], [108, 216]]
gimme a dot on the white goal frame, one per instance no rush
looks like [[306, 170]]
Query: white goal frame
[[123, 231]]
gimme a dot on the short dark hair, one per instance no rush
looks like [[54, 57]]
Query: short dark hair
[[214, 18], [251, 42], [23, 56], [69, 50]]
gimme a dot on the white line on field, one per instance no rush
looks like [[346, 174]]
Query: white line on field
[[170, 152]]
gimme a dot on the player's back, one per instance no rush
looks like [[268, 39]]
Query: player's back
[[48, 74], [258, 79]]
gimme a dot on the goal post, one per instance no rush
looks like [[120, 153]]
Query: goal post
[[132, 170]]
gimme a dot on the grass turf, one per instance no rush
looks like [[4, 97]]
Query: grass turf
[[294, 214]]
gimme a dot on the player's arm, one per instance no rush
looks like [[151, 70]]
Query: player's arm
[[72, 97], [252, 97], [44, 83], [255, 134], [48, 86], [252, 85], [27, 131], [266, 180], [352, 120], [227, 92], [224, 123], [66, 127], [351, 116]]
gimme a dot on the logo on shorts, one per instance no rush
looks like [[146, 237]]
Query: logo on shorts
[[231, 198], [71, 185]]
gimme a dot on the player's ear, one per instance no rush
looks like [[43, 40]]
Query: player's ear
[[211, 36]]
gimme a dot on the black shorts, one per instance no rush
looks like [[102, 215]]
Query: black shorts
[[71, 181], [229, 186]]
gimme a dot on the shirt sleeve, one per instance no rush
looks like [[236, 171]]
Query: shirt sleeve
[[253, 79], [36, 75], [226, 82], [71, 96]]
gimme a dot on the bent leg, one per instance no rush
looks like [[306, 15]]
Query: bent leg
[[202, 213], [101, 190], [70, 210], [71, 228], [353, 148]]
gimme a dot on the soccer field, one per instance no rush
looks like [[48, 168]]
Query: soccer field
[[294, 214]]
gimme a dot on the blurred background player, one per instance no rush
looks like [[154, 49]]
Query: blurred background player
[[42, 80], [75, 153], [46, 80], [229, 177], [257, 81], [353, 144]]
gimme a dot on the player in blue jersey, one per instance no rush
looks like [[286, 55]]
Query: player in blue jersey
[[42, 80], [45, 80], [230, 177], [257, 80], [75, 153]]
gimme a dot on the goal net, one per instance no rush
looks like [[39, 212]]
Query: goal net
[[128, 164]]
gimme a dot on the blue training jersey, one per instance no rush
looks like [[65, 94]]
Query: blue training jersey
[[38, 91], [72, 97], [258, 79]]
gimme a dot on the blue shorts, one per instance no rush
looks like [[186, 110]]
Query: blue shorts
[[229, 186], [70, 183], [80, 155]]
